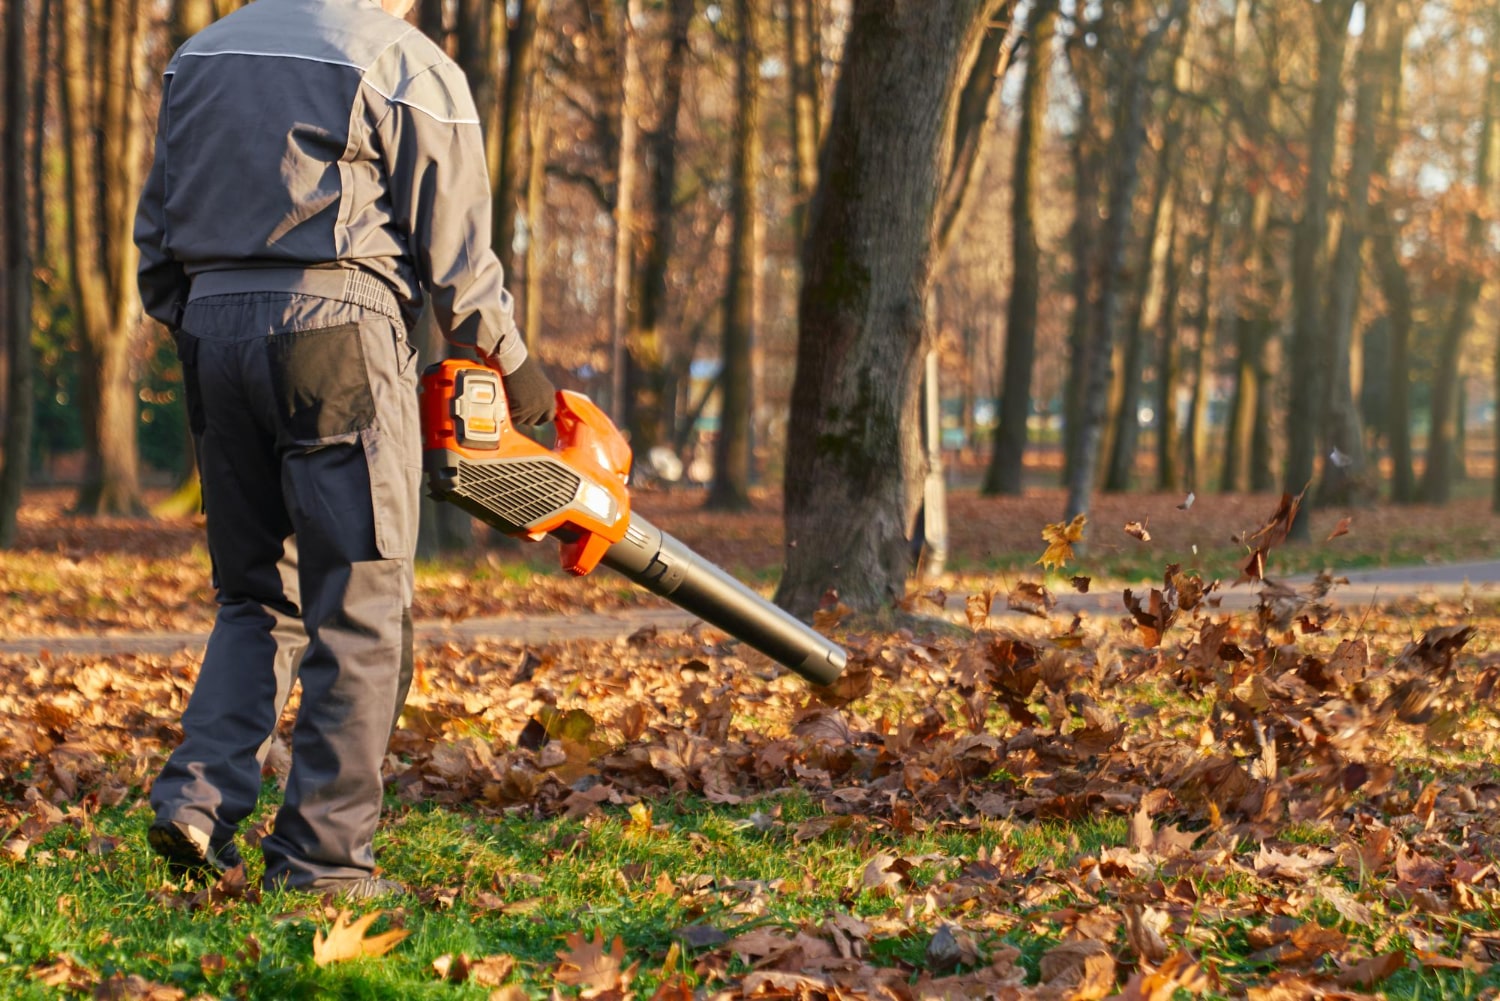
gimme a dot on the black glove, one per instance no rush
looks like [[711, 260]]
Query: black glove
[[532, 397]]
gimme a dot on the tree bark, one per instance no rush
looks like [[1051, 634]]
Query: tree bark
[[1125, 152], [730, 490], [1310, 257], [646, 362], [102, 253], [1151, 294], [17, 214], [1169, 367], [803, 94], [511, 169], [854, 465], [1346, 477], [625, 180], [1209, 318], [1083, 238], [536, 212], [1007, 458], [1438, 474]]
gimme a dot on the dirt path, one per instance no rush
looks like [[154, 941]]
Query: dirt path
[[1365, 588]]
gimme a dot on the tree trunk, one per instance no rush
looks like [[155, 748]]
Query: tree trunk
[[1007, 459], [1126, 147], [1309, 257], [102, 253], [188, 18], [536, 212], [17, 334], [854, 465], [1150, 297], [1209, 318], [1083, 237], [1145, 317], [803, 93], [646, 363], [625, 179], [511, 170], [1346, 478], [1438, 475], [730, 490], [1168, 372]]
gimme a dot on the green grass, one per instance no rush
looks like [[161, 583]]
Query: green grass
[[111, 913]]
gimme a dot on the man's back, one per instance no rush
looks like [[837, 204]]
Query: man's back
[[269, 119]]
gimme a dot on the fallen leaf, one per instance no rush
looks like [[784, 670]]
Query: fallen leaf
[[346, 941], [1342, 528], [587, 964]]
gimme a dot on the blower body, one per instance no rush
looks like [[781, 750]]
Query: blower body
[[576, 493]]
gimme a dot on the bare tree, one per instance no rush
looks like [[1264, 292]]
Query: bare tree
[[730, 490], [1438, 474], [17, 216], [854, 466], [1346, 478], [647, 359], [1131, 93], [1310, 253], [1006, 459], [103, 138]]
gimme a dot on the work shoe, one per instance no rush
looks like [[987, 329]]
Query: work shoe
[[365, 888], [191, 852]]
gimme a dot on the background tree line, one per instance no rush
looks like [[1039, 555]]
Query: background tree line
[[1183, 245]]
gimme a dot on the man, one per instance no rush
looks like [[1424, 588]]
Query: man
[[319, 170]]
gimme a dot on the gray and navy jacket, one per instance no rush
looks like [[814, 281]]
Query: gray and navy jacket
[[316, 134]]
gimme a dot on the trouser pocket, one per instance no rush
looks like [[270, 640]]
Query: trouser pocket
[[342, 437], [321, 384]]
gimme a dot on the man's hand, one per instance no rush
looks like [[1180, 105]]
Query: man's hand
[[532, 397]]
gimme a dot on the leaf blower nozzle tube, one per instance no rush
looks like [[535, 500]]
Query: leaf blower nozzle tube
[[664, 566]]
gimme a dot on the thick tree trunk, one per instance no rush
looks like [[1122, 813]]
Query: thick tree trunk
[[1310, 257], [730, 490], [646, 363], [17, 332], [1126, 147], [854, 464], [1004, 475], [1346, 478], [1439, 473], [102, 254]]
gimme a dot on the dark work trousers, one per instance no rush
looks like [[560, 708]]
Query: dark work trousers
[[304, 412]]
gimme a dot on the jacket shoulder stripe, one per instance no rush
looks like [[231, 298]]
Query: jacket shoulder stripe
[[273, 55], [417, 107]]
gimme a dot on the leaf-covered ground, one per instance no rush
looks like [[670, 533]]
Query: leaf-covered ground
[[73, 576], [1281, 804]]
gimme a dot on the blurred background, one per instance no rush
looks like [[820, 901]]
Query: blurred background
[[1277, 216]]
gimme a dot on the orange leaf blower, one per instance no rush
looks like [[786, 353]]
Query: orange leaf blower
[[576, 493]]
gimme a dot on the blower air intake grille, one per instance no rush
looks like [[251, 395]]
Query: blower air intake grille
[[522, 491]]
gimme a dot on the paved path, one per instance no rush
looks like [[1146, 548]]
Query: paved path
[[1365, 587]]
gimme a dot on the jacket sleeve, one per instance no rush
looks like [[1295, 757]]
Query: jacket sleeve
[[163, 282], [430, 139]]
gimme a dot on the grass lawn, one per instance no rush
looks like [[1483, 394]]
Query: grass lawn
[[1269, 805]]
